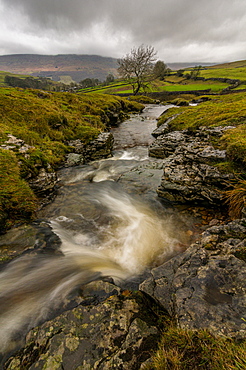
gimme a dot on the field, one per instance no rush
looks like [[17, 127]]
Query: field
[[175, 83], [171, 83]]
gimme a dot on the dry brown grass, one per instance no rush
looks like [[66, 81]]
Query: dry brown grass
[[236, 198]]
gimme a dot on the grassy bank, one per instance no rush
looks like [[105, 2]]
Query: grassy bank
[[45, 122], [220, 110]]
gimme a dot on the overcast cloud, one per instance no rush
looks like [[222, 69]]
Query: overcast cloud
[[180, 30]]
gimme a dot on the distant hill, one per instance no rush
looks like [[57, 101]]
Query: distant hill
[[78, 67], [177, 66], [237, 64], [73, 67]]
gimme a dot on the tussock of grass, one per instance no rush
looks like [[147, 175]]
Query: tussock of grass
[[220, 111], [184, 350], [236, 198]]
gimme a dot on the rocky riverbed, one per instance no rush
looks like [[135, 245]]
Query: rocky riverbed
[[118, 325]]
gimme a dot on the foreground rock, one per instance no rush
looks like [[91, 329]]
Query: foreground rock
[[202, 288], [118, 333], [205, 287], [190, 171]]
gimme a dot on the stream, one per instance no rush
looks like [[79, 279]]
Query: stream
[[110, 223]]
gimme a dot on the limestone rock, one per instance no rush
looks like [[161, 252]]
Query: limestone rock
[[186, 181], [99, 148], [44, 183], [74, 159], [205, 288], [166, 145], [189, 171], [117, 333], [164, 128]]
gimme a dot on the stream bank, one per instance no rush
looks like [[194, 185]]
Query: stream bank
[[111, 326]]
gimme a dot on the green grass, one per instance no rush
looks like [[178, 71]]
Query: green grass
[[171, 84], [198, 350], [234, 70], [189, 85], [46, 122], [232, 73]]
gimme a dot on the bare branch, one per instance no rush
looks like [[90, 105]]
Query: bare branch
[[137, 66]]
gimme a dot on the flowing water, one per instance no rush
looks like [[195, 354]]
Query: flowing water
[[110, 223]]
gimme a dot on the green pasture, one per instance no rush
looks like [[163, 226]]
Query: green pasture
[[159, 86], [232, 73]]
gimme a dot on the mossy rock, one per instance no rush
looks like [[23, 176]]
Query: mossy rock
[[180, 102], [143, 99]]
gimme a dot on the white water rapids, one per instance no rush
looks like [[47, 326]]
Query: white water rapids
[[109, 225]]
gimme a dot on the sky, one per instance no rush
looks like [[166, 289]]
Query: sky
[[179, 30]]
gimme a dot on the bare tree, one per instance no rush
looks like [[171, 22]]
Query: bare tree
[[137, 66]]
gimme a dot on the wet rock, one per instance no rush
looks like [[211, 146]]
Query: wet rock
[[117, 333], [44, 183], [166, 145], [99, 148], [190, 174], [15, 241], [74, 159], [164, 128], [204, 288]]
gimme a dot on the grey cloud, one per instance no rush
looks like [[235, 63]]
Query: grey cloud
[[170, 24]]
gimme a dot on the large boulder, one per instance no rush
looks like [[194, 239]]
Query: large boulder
[[205, 287], [117, 333], [188, 181]]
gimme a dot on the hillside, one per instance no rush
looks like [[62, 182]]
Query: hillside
[[78, 67], [237, 64]]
